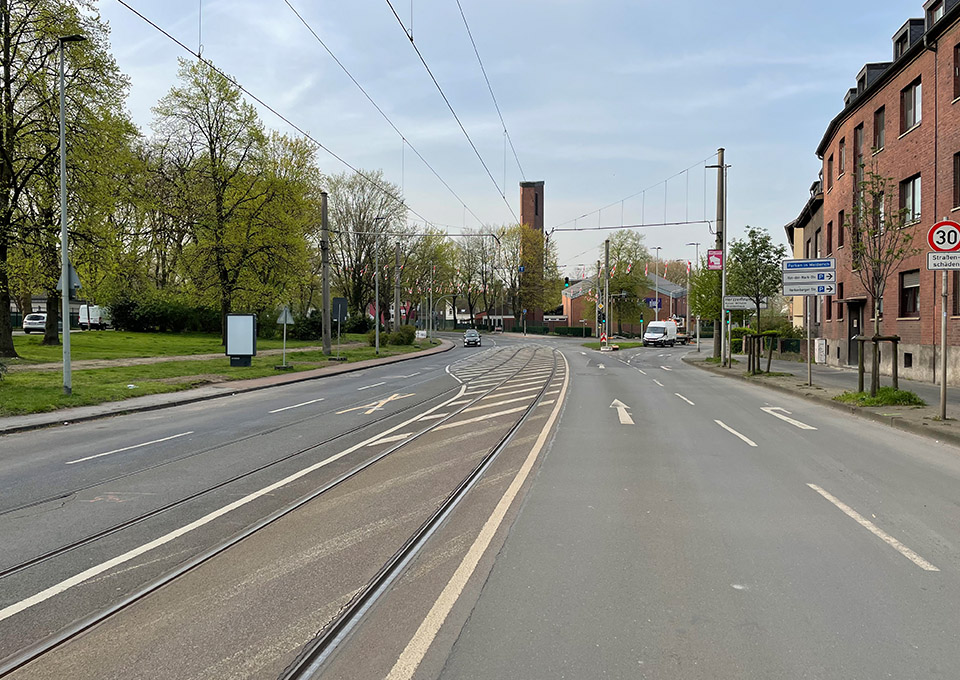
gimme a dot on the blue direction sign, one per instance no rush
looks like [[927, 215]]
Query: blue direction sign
[[821, 265]]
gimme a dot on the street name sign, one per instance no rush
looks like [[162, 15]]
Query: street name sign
[[819, 265], [947, 261], [742, 302], [809, 289], [808, 277]]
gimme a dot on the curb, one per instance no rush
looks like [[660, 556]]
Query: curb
[[63, 417], [891, 421]]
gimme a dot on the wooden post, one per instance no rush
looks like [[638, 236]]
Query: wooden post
[[896, 360], [770, 353], [860, 366]]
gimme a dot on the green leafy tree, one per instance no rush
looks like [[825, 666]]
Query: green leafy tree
[[705, 292], [755, 267]]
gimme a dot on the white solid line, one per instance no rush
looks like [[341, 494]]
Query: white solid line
[[457, 423], [98, 569], [732, 431], [388, 440], [545, 403], [642, 371], [367, 387], [772, 410], [553, 392], [287, 408], [127, 448], [491, 404], [875, 530], [417, 648], [666, 368], [411, 375], [658, 382], [447, 371], [457, 403], [684, 398], [435, 416], [497, 395]]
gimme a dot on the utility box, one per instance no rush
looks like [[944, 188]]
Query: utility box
[[821, 350], [241, 338]]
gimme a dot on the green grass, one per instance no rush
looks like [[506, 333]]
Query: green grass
[[621, 345], [718, 360], [886, 396], [37, 392], [123, 345]]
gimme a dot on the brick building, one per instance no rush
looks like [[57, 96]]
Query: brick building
[[802, 235], [578, 303], [903, 117]]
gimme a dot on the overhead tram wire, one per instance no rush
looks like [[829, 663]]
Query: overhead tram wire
[[380, 110], [490, 88], [634, 195], [279, 115], [452, 111], [635, 226]]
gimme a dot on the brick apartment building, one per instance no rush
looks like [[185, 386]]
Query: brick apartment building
[[903, 116]]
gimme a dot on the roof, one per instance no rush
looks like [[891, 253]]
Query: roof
[[654, 282], [806, 214]]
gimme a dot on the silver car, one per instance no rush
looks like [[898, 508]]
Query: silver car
[[34, 322]]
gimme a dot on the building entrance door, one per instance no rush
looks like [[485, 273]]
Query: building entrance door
[[854, 328]]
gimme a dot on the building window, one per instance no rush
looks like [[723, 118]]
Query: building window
[[910, 106], [900, 46], [536, 204], [829, 306], [840, 227], [830, 172], [908, 359], [956, 180], [956, 71], [829, 238], [879, 120], [910, 199], [910, 293], [935, 13], [842, 157], [816, 244]]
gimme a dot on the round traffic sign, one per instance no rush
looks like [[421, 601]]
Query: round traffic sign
[[944, 236]]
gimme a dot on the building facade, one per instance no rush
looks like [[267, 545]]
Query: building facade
[[578, 303], [901, 121]]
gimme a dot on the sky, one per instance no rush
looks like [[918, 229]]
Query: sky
[[602, 100]]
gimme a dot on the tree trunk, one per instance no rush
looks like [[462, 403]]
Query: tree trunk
[[51, 335], [875, 368]]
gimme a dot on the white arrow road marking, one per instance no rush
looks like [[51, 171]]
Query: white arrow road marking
[[684, 398], [128, 448], [625, 418], [875, 530], [658, 382], [666, 368], [734, 432], [772, 410], [287, 408]]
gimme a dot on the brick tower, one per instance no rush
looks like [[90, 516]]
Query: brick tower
[[531, 217]]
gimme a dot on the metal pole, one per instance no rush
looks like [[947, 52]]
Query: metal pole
[[325, 272], [596, 306], [606, 290], [806, 301], [656, 283], [396, 290], [943, 347], [433, 271], [64, 254], [376, 291], [284, 339], [698, 332], [723, 274]]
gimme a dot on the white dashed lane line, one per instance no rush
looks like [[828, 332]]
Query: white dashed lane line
[[287, 408], [734, 432], [684, 398]]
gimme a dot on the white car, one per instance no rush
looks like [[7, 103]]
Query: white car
[[34, 322]]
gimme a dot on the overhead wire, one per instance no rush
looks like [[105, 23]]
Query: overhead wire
[[380, 110], [279, 115], [452, 111], [490, 88]]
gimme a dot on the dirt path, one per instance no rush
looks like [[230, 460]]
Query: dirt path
[[141, 361]]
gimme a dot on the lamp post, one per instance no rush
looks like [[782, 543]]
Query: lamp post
[[697, 260], [656, 283], [64, 254]]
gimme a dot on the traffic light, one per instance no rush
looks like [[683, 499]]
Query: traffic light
[[566, 281]]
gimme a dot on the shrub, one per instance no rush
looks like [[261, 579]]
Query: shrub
[[886, 396], [408, 334], [357, 323], [372, 338], [309, 327], [396, 338]]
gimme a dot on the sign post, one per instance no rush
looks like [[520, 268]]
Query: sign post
[[285, 318], [944, 240], [810, 278]]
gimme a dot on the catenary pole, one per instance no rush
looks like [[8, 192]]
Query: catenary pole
[[325, 271], [606, 290], [396, 289]]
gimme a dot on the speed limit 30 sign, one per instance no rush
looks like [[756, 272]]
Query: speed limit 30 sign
[[944, 236]]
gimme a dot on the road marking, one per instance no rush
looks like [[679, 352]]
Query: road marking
[[96, 570], [447, 371], [462, 401], [411, 375], [772, 410], [378, 405], [666, 368], [128, 448], [416, 649], [435, 416], [389, 440], [875, 530], [287, 408], [642, 371], [600, 366], [658, 382], [367, 387], [497, 395], [457, 423], [553, 392], [625, 418], [498, 403], [732, 431], [547, 402], [684, 398], [583, 353]]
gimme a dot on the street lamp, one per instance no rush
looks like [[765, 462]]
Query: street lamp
[[656, 283], [64, 255], [697, 244]]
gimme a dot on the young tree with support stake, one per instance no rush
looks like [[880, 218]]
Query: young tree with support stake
[[878, 243]]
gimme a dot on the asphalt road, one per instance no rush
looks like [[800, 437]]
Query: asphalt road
[[652, 521]]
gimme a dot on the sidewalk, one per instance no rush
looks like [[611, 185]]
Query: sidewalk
[[829, 381], [151, 402]]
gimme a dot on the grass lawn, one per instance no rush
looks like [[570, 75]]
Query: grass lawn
[[36, 392], [123, 345]]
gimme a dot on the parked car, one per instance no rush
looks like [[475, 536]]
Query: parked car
[[34, 322], [471, 337], [93, 316]]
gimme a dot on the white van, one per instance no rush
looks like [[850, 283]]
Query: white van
[[662, 333], [93, 316]]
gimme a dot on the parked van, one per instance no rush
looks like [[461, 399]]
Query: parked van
[[93, 316], [661, 333]]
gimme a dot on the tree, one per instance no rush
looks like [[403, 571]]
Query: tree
[[705, 292], [878, 243], [755, 267]]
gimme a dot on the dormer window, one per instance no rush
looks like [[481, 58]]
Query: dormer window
[[900, 46], [861, 84], [934, 13]]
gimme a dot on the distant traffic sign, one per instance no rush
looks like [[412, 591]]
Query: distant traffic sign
[[944, 237], [808, 277], [714, 260], [809, 289], [739, 302], [285, 317], [821, 265]]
